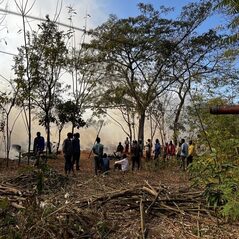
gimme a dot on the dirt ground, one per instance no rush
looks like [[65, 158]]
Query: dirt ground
[[104, 206]]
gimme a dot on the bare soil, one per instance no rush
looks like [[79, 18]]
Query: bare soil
[[45, 204]]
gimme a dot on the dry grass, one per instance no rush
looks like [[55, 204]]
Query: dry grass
[[86, 206]]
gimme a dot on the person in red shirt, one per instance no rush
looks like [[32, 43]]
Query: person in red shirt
[[171, 150]]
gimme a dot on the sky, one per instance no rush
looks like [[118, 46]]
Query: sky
[[97, 11]]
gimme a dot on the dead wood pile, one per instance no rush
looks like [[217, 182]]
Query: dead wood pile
[[65, 215]]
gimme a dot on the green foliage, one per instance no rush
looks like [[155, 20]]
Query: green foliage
[[146, 55], [216, 167], [42, 173], [102, 229], [38, 73], [4, 204], [221, 183], [69, 112]]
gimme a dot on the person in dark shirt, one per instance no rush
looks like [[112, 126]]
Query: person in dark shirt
[[148, 149], [157, 149], [38, 147], [126, 142], [76, 150], [67, 149], [106, 163], [119, 150], [135, 154], [39, 144]]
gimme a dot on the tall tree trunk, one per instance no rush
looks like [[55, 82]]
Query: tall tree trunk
[[176, 121], [59, 140], [29, 86], [48, 132], [182, 93], [141, 126], [7, 139]]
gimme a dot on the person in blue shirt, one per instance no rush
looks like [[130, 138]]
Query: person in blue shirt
[[106, 163], [157, 149], [98, 149], [184, 154]]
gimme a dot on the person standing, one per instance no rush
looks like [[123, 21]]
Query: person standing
[[106, 163], [76, 150], [38, 147], [157, 149], [135, 152], [67, 149], [184, 153], [119, 150], [171, 150], [141, 148], [39, 144], [148, 149], [98, 149], [126, 142], [178, 151], [191, 152], [165, 152]]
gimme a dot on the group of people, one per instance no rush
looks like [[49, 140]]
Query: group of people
[[186, 153], [71, 151], [101, 160], [183, 152]]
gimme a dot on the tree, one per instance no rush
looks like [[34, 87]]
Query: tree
[[47, 57], [22, 7], [84, 74], [231, 8], [140, 54], [8, 100], [66, 112], [133, 55]]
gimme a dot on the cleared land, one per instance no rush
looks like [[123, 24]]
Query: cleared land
[[155, 202]]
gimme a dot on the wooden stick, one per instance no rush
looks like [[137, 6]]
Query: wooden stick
[[198, 223], [142, 218], [155, 199], [152, 192], [155, 191]]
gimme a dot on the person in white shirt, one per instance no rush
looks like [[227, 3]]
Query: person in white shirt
[[122, 164]]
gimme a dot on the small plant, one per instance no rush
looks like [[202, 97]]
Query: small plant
[[102, 229], [40, 181], [220, 179], [4, 204]]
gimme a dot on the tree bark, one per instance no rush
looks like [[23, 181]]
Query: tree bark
[[141, 126], [175, 123], [59, 140], [48, 131]]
